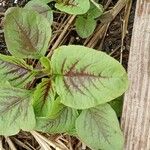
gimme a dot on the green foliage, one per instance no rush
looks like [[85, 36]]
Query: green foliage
[[41, 1], [16, 71], [95, 11], [98, 128], [63, 123], [86, 78], [45, 62], [27, 33], [42, 9], [43, 98], [117, 105], [16, 111], [75, 7], [68, 92], [85, 26], [86, 23]]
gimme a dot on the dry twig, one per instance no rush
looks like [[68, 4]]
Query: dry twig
[[10, 143], [58, 41], [125, 26]]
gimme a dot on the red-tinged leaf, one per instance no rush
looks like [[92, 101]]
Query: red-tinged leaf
[[86, 78], [16, 111], [44, 102], [42, 8], [99, 128], [27, 33], [62, 123], [15, 70], [75, 7]]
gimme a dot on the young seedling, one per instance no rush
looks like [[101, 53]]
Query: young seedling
[[67, 93]]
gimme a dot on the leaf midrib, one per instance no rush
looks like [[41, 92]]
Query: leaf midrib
[[32, 48]]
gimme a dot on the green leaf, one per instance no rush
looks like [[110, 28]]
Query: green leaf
[[16, 111], [56, 108], [15, 70], [95, 11], [46, 1], [73, 6], [85, 26], [99, 6], [63, 123], [86, 23], [27, 33], [86, 78], [42, 8], [117, 105], [46, 64], [43, 1], [99, 128], [43, 98], [72, 132]]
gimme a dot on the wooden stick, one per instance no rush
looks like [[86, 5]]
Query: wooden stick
[[136, 109]]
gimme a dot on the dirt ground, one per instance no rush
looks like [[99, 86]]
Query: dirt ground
[[110, 40]]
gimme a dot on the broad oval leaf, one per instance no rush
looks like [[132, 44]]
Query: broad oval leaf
[[73, 6], [85, 26], [16, 111], [99, 128], [27, 33], [63, 123], [44, 102], [42, 8], [16, 71], [86, 78]]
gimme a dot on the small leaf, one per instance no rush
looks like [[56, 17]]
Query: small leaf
[[86, 23], [56, 108], [73, 6], [42, 8], [46, 63], [100, 7], [63, 123], [94, 12], [43, 98], [99, 128], [27, 33], [117, 105], [86, 78], [85, 26], [15, 70], [16, 111]]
